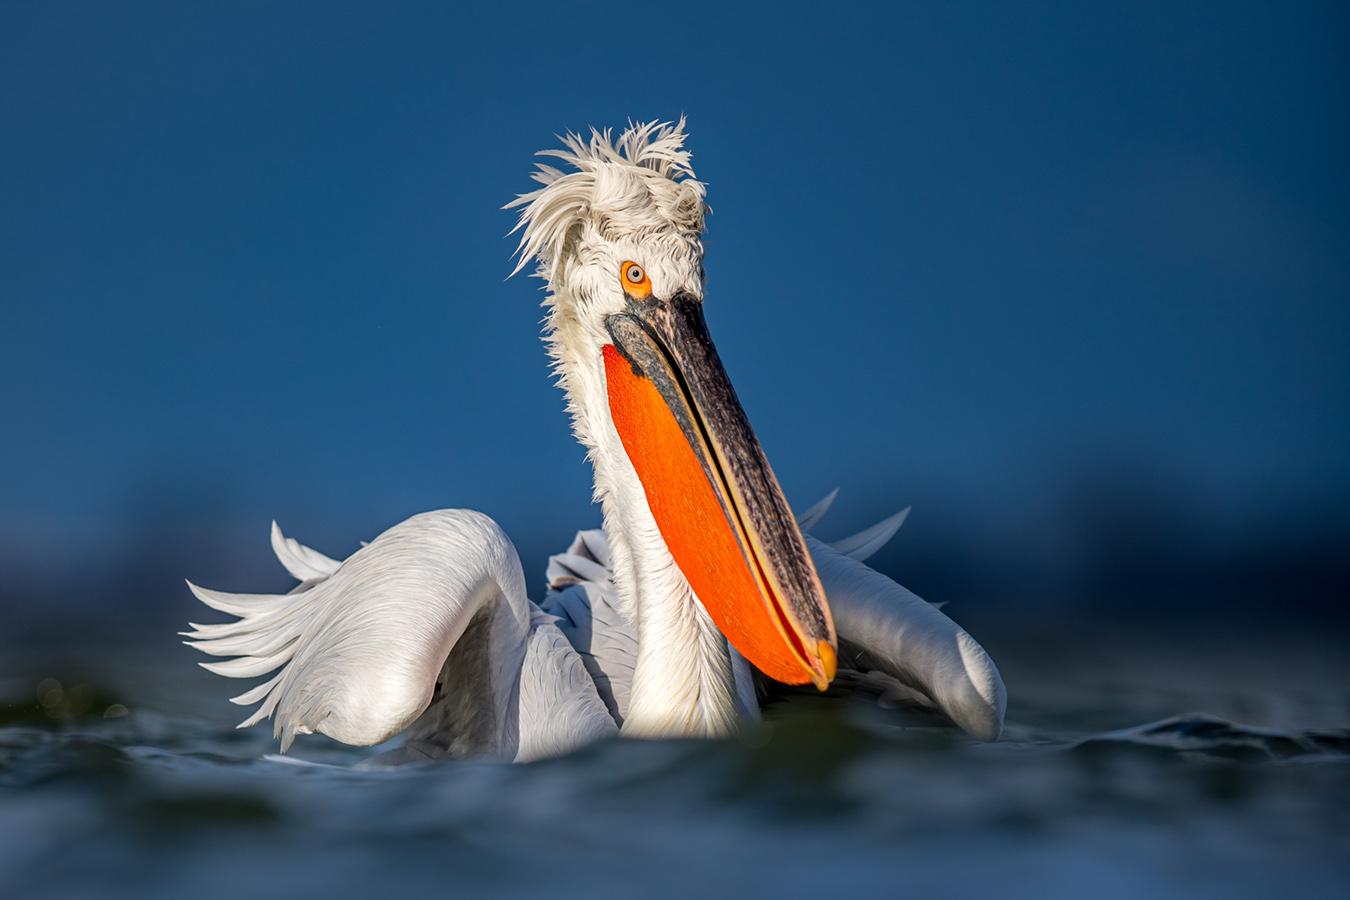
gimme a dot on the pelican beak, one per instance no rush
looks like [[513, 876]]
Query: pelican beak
[[716, 502]]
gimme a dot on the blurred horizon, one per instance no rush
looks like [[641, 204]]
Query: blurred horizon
[[1072, 282]]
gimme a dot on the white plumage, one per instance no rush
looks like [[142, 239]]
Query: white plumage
[[428, 631], [375, 628]]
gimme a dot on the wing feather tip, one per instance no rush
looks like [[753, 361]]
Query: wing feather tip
[[865, 543], [817, 511]]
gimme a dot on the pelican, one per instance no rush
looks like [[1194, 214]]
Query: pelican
[[701, 592]]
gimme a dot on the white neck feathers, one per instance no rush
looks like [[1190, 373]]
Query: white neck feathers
[[683, 683]]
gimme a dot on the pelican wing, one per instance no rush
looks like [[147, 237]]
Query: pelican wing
[[577, 670], [582, 597], [559, 708], [561, 705], [357, 653], [883, 626]]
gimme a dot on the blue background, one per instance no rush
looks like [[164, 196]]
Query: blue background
[[1071, 280]]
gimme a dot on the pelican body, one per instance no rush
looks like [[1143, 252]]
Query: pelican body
[[701, 589]]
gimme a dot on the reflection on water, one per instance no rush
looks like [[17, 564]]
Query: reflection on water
[[108, 791]]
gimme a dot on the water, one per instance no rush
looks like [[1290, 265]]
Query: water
[[1126, 772]]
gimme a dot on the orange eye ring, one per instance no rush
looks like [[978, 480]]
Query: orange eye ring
[[635, 280]]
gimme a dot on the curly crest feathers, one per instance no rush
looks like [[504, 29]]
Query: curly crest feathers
[[643, 181]]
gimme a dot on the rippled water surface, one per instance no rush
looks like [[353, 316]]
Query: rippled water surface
[[1127, 771]]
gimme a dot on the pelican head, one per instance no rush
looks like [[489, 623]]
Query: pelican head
[[616, 233]]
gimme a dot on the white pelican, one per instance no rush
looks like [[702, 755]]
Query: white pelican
[[657, 625]]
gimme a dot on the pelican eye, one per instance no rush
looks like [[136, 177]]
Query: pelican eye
[[635, 281]]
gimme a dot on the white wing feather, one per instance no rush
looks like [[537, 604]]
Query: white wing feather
[[862, 545], [891, 629], [359, 652], [560, 708], [583, 599], [303, 563], [809, 519]]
